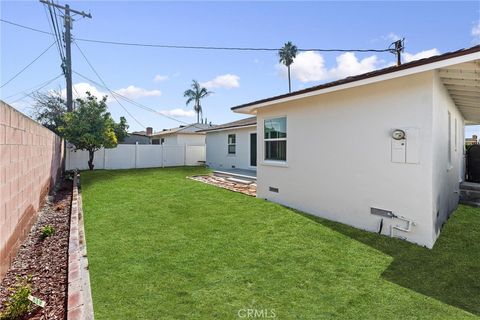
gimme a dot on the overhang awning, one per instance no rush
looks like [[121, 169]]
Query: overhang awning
[[463, 84]]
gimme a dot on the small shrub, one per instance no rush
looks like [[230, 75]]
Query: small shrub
[[69, 175], [47, 231], [18, 304]]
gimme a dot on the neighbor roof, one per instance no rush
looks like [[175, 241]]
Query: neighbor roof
[[193, 128], [416, 63], [247, 122]]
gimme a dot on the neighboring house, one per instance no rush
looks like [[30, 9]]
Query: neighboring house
[[134, 138], [232, 145], [381, 151], [182, 135], [471, 141]]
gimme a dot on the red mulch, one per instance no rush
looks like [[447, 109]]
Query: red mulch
[[45, 260]]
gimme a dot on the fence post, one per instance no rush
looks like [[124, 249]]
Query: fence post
[[136, 153], [104, 158], [185, 155]]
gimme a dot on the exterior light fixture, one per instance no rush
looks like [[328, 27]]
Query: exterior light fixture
[[398, 134]]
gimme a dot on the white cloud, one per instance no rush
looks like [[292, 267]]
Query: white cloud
[[178, 113], [348, 65], [310, 66], [159, 78], [227, 81], [407, 57], [136, 92], [476, 32], [80, 89]]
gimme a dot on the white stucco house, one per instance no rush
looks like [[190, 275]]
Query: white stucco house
[[182, 135], [232, 145], [381, 151]]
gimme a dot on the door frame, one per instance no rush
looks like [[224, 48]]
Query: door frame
[[250, 149]]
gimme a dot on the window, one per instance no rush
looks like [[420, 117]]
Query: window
[[231, 144], [155, 141], [275, 136], [162, 141]]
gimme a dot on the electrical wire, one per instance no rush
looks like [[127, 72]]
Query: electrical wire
[[36, 90], [138, 104], [202, 47], [51, 24], [105, 85], [28, 65], [42, 84]]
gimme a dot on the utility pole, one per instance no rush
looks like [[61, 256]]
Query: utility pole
[[67, 64], [398, 50]]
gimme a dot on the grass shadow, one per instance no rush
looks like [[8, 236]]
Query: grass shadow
[[450, 272]]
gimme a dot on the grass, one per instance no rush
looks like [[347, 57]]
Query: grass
[[163, 246]]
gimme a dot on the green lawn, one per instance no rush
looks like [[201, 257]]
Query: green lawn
[[165, 247]]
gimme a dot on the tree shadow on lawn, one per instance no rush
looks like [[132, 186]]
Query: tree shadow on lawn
[[450, 272]]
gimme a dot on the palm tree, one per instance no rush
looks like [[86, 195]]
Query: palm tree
[[287, 54], [196, 93]]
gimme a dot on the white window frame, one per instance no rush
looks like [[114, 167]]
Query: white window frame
[[234, 144], [274, 139]]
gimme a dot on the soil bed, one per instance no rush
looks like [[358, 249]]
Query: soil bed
[[45, 260]]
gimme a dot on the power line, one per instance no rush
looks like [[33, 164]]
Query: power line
[[166, 46], [36, 90], [25, 27], [54, 31], [28, 65], [42, 84], [99, 77], [138, 104]]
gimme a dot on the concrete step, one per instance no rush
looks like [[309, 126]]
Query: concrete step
[[470, 186], [225, 174], [471, 203], [237, 180], [469, 194]]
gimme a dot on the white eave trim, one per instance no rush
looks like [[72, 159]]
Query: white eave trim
[[391, 75], [231, 128]]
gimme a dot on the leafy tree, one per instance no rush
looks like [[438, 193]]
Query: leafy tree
[[49, 109], [120, 129], [287, 54], [90, 127], [195, 94]]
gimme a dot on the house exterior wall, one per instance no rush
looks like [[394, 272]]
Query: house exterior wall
[[217, 149], [182, 139], [339, 156], [30, 163], [447, 174], [191, 139]]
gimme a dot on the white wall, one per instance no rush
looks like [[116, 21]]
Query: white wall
[[137, 156], [217, 149], [191, 139], [339, 155], [446, 174]]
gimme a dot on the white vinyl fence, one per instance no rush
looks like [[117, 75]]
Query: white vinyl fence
[[128, 156]]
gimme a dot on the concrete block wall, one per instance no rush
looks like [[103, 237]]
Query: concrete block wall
[[30, 163]]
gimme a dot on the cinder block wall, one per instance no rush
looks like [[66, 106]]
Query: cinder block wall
[[30, 162]]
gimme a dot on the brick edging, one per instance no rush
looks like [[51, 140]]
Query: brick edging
[[79, 296]]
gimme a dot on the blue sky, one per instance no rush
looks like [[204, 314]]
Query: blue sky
[[235, 77]]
